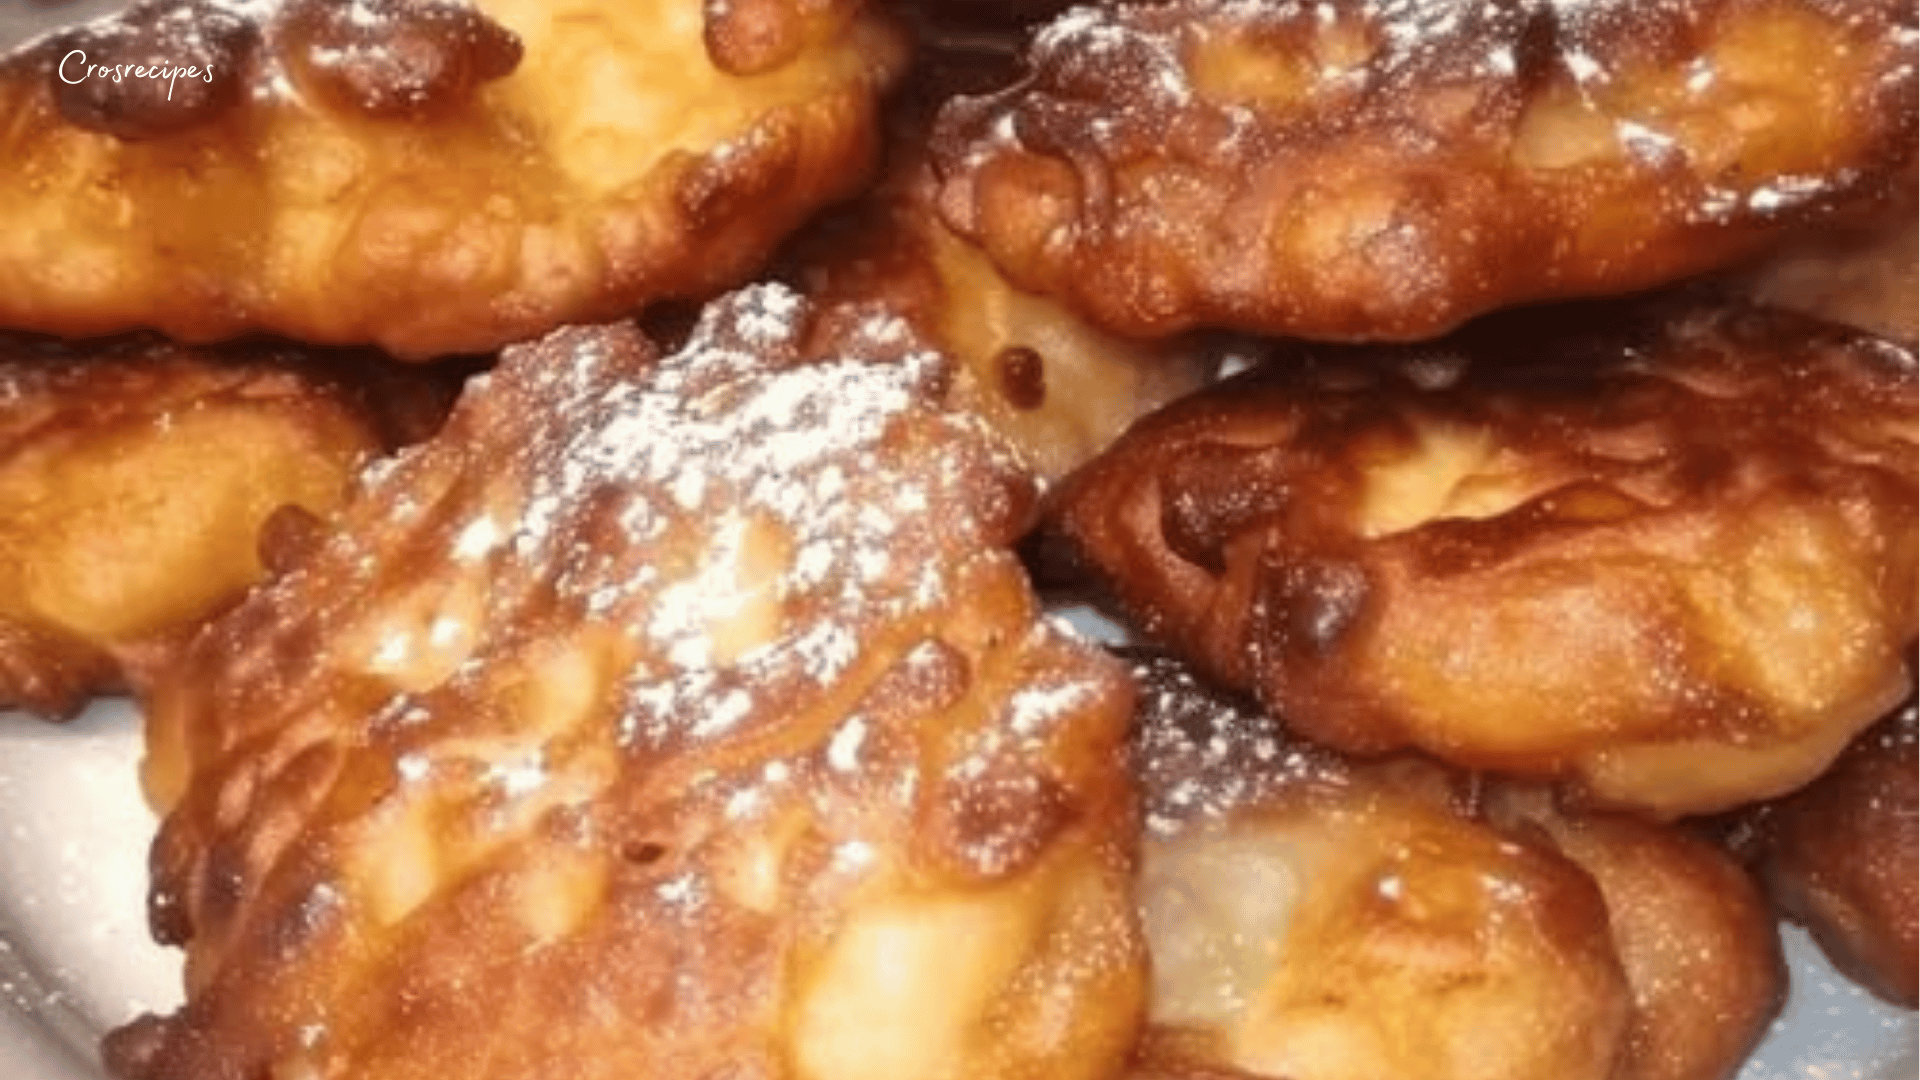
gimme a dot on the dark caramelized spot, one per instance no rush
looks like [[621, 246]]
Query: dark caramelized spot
[[1023, 377], [407, 59], [127, 1051], [1317, 603], [751, 37], [288, 536], [643, 852], [1211, 495], [222, 887], [194, 38]]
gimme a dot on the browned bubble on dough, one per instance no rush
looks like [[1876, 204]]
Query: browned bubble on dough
[[395, 57], [206, 44]]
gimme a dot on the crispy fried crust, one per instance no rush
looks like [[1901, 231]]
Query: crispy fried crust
[[1840, 859], [134, 480], [1668, 552], [427, 176], [1058, 389], [1315, 920], [1319, 918], [680, 719], [1383, 169]]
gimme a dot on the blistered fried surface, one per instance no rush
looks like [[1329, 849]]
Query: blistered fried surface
[[1310, 919], [134, 481], [684, 718], [1059, 389], [1840, 859], [1666, 553], [429, 176], [1385, 169], [1392, 897]]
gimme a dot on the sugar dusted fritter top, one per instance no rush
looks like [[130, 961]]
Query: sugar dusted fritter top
[[1382, 170], [663, 716]]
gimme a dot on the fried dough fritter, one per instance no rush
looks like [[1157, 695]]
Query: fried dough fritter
[[135, 477], [1059, 389], [674, 719], [1383, 170], [1316, 918], [420, 174], [1840, 858], [1695, 935], [1666, 554]]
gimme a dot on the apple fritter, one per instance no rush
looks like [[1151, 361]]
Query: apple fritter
[[1664, 553], [1692, 929], [425, 175], [1382, 170], [1839, 857], [135, 478], [681, 718], [1059, 389], [1316, 918]]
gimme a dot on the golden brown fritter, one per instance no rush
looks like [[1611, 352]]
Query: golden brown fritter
[[1840, 859], [1381, 170], [1307, 922], [681, 718], [1058, 389], [1865, 275], [1318, 918], [1666, 553], [134, 480], [428, 176], [1693, 932]]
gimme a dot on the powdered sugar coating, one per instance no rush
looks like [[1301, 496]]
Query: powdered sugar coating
[[679, 678], [717, 463], [1203, 754]]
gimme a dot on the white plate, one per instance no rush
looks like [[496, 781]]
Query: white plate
[[75, 958]]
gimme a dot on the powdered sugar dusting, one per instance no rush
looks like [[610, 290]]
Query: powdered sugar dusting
[[1201, 754], [779, 501]]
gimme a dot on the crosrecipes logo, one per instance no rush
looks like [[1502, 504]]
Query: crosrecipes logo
[[75, 70]]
